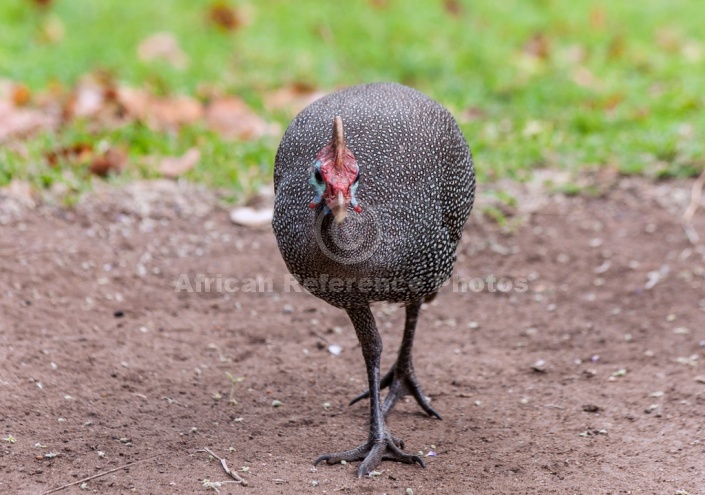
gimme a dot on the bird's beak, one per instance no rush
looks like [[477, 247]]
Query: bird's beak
[[339, 208]]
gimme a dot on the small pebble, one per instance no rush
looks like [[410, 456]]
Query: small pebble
[[250, 217], [539, 366]]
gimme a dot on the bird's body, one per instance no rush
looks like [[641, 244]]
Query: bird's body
[[391, 192]]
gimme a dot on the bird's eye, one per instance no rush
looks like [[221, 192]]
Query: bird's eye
[[317, 175]]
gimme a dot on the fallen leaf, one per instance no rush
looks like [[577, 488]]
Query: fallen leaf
[[232, 118], [133, 101], [174, 166], [20, 95], [171, 112], [585, 78], [292, 98], [225, 16], [112, 161], [159, 113], [52, 30], [613, 101], [76, 153], [668, 39], [538, 46], [19, 122], [575, 54], [615, 50], [598, 17], [453, 7], [472, 114], [165, 47], [88, 99]]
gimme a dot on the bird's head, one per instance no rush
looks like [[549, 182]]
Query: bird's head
[[335, 175]]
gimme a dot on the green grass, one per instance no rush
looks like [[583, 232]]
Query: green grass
[[621, 85]]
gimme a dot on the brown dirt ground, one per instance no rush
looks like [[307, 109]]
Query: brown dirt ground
[[103, 391]]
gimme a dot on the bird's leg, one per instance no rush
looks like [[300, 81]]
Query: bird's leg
[[380, 444], [401, 379]]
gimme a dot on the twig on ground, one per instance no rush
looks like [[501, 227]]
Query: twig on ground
[[227, 470], [58, 488], [320, 336], [695, 198]]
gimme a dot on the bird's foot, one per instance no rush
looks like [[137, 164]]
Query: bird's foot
[[372, 453], [401, 382]]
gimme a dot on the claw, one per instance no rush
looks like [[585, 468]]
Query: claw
[[372, 453], [400, 386]]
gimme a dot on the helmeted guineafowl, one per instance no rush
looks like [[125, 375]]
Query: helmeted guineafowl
[[373, 185]]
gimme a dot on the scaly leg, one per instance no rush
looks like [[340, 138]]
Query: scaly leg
[[401, 379], [380, 444]]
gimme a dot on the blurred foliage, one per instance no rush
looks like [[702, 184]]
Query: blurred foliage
[[534, 83]]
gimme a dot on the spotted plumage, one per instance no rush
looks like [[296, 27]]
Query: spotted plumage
[[406, 188]]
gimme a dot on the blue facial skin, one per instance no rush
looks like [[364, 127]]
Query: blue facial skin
[[319, 187], [353, 191]]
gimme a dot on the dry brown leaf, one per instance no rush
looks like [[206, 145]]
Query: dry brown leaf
[[615, 50], [225, 16], [585, 78], [598, 17], [20, 95], [94, 97], [52, 30], [668, 39], [380, 4], [165, 47], [172, 112], [113, 161], [472, 114], [88, 99], [133, 101], [159, 113], [575, 54], [18, 122], [175, 166], [76, 153], [232, 118], [293, 98], [613, 101], [538, 46], [453, 7]]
